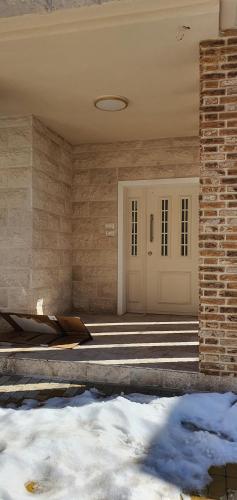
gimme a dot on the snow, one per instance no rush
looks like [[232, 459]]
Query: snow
[[135, 447]]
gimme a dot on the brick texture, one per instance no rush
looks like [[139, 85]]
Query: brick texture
[[218, 205]]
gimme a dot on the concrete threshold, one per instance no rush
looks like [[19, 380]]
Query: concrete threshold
[[176, 381]]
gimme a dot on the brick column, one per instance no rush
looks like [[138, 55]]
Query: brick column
[[218, 205]]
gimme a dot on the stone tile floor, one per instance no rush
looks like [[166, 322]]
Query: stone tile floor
[[15, 389], [148, 340], [224, 483], [138, 340]]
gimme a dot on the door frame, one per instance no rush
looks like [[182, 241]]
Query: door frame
[[122, 185]]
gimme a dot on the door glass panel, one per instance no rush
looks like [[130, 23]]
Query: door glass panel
[[164, 227], [134, 227], [184, 226]]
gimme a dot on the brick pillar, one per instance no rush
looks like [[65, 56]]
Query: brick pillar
[[218, 205]]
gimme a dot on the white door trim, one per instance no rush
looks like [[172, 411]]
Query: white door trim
[[121, 290]]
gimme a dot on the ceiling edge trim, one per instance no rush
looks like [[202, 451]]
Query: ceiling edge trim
[[35, 26]]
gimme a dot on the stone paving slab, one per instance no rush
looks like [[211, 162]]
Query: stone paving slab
[[224, 482]]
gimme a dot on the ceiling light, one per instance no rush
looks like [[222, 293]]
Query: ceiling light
[[111, 103]]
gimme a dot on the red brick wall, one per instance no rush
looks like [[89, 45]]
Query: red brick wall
[[218, 205]]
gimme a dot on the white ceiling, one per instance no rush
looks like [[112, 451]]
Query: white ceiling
[[55, 65]]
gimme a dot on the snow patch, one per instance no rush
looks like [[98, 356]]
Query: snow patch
[[132, 447]]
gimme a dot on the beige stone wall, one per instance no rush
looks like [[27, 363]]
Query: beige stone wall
[[97, 170], [36, 213], [35, 217], [15, 212], [51, 278]]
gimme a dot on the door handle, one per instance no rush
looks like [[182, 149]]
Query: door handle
[[149, 253], [151, 227]]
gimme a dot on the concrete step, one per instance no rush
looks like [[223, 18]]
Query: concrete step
[[122, 375]]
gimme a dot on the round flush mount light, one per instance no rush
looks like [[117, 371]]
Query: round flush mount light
[[111, 103]]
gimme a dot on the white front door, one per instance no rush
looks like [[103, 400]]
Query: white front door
[[162, 249]]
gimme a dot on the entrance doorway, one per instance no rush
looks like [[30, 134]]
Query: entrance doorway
[[161, 247]]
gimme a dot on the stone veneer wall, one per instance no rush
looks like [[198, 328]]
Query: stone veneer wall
[[218, 224], [51, 278], [36, 213], [15, 212], [35, 217], [97, 170]]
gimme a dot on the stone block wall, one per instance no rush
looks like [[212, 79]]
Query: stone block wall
[[35, 218], [51, 274], [36, 213], [15, 213], [97, 170], [218, 205]]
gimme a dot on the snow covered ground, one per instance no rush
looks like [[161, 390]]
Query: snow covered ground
[[133, 447]]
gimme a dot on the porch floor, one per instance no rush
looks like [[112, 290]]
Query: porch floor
[[145, 352], [155, 341]]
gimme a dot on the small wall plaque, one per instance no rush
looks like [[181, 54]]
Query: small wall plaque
[[110, 225]]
